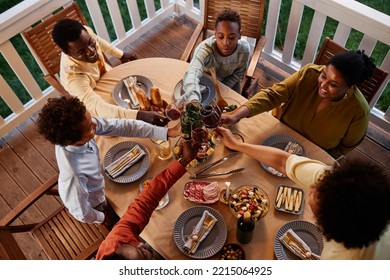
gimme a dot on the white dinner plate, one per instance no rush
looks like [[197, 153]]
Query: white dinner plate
[[120, 92], [307, 231], [213, 242], [208, 92], [280, 142], [136, 171]]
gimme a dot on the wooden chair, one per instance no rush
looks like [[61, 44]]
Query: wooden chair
[[251, 13], [43, 47], [9, 248], [61, 236], [370, 86], [47, 52]]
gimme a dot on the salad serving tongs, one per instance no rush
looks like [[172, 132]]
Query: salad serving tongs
[[201, 174]]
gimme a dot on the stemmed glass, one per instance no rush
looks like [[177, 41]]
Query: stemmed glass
[[173, 111], [211, 116], [199, 135]]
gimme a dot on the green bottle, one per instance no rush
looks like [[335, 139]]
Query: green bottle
[[245, 227]]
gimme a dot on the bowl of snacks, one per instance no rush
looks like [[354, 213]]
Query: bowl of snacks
[[233, 104], [146, 184], [289, 199], [232, 251], [204, 153], [249, 198]]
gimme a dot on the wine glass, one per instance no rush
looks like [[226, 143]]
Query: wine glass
[[211, 117], [199, 135], [173, 111]]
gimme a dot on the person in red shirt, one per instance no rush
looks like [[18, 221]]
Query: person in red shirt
[[123, 242]]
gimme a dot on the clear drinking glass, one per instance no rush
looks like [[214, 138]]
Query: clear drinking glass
[[163, 148]]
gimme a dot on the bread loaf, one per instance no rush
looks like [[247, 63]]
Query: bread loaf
[[155, 97], [143, 99]]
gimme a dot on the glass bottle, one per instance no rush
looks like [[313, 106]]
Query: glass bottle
[[245, 227]]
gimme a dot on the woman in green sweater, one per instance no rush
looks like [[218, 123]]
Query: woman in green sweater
[[320, 102]]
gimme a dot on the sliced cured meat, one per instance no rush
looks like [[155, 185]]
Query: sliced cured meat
[[202, 192]]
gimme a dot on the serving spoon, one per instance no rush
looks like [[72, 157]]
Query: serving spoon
[[220, 101]]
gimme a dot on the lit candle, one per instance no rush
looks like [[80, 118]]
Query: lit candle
[[227, 195]]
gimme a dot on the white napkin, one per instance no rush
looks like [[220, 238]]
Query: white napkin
[[196, 230], [123, 163], [297, 246], [130, 82], [203, 89], [293, 148], [275, 172]]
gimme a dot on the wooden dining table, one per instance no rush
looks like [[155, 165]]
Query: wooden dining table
[[165, 73]]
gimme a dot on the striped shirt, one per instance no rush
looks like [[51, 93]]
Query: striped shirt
[[229, 69]]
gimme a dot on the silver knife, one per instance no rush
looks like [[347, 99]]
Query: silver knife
[[196, 174]]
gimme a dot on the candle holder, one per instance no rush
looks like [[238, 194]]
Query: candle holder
[[225, 194]]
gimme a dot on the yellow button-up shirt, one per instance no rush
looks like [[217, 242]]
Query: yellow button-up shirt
[[79, 79]]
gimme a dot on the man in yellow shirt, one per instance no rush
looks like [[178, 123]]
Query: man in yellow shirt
[[83, 64]]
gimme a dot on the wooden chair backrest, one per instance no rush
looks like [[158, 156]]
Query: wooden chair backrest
[[251, 13], [9, 248], [368, 87], [60, 235], [40, 40]]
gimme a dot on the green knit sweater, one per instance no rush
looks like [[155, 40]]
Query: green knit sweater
[[338, 128]]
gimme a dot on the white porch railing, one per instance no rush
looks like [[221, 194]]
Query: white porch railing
[[350, 14]]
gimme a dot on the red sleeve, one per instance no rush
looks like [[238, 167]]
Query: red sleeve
[[138, 213]]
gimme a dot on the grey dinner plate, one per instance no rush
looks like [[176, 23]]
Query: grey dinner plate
[[136, 171], [120, 93], [207, 89], [280, 142], [213, 242], [307, 231]]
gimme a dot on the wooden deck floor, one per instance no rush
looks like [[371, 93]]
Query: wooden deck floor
[[27, 160]]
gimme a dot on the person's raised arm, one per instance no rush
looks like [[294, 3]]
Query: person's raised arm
[[152, 117], [189, 152], [128, 56], [270, 156], [230, 118]]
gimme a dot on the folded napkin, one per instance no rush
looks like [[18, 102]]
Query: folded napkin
[[130, 83], [297, 246], [194, 237], [275, 172], [203, 89], [125, 162], [293, 148]]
